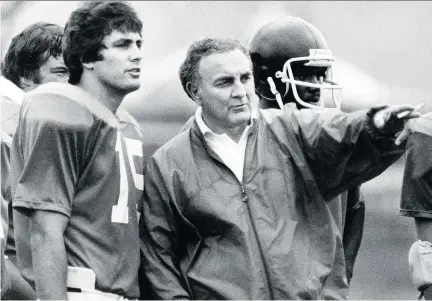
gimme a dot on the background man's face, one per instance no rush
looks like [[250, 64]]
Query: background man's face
[[53, 70]]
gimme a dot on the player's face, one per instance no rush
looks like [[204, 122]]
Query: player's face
[[53, 70], [120, 68], [226, 90], [313, 75]]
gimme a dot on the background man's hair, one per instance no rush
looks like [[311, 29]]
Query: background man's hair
[[189, 70], [88, 26], [30, 49]]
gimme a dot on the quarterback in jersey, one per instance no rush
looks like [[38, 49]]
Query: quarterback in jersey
[[82, 161], [78, 164]]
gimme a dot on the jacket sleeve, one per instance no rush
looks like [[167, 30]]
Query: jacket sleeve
[[343, 150], [159, 233]]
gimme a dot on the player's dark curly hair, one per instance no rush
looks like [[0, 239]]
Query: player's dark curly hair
[[189, 70], [88, 26], [29, 50]]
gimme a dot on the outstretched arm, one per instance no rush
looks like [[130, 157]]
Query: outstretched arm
[[344, 150]]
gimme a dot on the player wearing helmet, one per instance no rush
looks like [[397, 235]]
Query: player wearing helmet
[[292, 64]]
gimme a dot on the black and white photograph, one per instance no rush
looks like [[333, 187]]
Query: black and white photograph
[[222, 150]]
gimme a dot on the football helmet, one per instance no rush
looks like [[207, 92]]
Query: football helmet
[[288, 54]]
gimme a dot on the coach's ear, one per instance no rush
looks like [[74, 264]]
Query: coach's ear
[[193, 92]]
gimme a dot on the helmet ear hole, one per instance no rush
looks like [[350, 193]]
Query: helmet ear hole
[[263, 74]]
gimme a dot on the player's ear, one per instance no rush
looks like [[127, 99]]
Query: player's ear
[[26, 84], [193, 91]]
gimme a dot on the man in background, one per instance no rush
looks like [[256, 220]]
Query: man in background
[[34, 57]]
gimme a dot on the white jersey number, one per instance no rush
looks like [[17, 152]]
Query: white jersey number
[[120, 212]]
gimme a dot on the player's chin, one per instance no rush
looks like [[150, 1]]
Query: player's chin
[[313, 100], [132, 86]]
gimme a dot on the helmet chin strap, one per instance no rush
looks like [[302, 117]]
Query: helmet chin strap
[[275, 92]]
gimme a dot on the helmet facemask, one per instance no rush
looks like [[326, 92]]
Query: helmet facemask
[[318, 64]]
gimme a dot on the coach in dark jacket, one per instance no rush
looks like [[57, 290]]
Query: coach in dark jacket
[[235, 206]]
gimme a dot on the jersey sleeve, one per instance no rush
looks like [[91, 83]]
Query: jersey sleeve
[[416, 196], [48, 151]]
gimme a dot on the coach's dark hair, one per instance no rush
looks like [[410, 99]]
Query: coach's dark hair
[[29, 50], [88, 26], [189, 70]]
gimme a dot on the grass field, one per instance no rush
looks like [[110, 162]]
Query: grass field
[[381, 270]]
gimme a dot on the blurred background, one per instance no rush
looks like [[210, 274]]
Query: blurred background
[[384, 56]]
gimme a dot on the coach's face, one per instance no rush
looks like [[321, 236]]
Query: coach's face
[[226, 90], [120, 68]]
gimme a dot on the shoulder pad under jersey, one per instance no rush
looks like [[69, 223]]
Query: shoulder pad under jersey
[[65, 105], [11, 99]]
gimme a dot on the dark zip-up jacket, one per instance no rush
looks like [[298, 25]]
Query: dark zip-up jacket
[[205, 235]]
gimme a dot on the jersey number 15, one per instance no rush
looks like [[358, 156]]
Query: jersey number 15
[[120, 212]]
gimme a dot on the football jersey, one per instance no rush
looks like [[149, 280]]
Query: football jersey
[[5, 187], [75, 157], [11, 98], [416, 200], [5, 147]]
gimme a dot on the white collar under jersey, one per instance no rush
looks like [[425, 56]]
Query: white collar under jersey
[[9, 90], [231, 153], [11, 98]]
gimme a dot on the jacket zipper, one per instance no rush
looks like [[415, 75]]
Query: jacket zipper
[[245, 199]]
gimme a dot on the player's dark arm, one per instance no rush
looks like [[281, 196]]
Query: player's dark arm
[[353, 230], [416, 202], [424, 228], [49, 254], [418, 260]]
